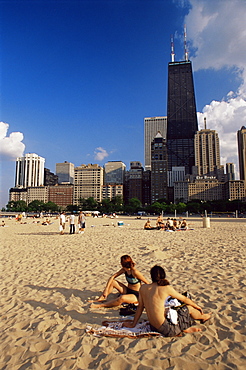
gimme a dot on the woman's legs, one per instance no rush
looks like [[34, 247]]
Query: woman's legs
[[124, 298], [109, 288]]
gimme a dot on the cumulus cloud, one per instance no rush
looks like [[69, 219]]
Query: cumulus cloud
[[10, 146], [100, 154], [217, 39]]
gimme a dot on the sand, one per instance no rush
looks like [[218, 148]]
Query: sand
[[47, 279]]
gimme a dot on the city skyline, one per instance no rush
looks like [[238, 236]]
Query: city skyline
[[79, 77]]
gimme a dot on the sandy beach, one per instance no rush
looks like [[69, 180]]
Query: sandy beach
[[48, 278]]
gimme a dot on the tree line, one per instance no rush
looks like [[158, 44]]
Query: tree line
[[131, 207]]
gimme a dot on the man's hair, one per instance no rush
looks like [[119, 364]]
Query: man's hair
[[158, 276]]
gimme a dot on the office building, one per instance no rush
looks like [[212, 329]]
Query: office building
[[207, 154], [62, 194], [235, 190], [17, 194], [114, 172], [230, 171], [241, 137], [111, 191], [88, 182], [181, 116], [152, 125], [65, 172], [158, 168], [29, 171], [37, 193], [50, 178], [137, 183]]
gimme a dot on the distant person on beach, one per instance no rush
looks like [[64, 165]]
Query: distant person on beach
[[152, 297], [147, 226], [62, 222], [81, 222], [160, 223], [184, 224], [128, 294], [72, 223]]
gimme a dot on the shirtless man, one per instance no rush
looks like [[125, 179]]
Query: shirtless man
[[152, 297]]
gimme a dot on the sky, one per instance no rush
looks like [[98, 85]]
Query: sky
[[78, 77]]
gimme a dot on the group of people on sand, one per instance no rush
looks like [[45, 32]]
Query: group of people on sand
[[72, 223], [152, 297], [171, 224]]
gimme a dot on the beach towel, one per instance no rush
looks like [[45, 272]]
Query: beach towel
[[116, 329]]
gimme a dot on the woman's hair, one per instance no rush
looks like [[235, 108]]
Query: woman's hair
[[158, 276], [127, 262]]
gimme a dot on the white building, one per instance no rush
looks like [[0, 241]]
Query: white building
[[29, 171], [115, 172]]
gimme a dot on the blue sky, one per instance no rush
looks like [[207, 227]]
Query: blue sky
[[78, 77]]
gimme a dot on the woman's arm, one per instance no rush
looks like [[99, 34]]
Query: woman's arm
[[140, 276]]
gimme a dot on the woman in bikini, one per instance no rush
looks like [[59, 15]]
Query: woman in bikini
[[128, 294]]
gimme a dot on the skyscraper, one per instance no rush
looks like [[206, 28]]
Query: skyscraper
[[152, 125], [29, 171], [207, 153], [181, 116], [241, 138], [230, 171], [158, 168]]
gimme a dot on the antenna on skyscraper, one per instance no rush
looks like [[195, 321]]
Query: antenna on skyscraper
[[185, 46], [205, 123], [172, 49]]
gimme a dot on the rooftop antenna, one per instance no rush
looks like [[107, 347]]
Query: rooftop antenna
[[172, 49], [185, 45], [205, 123]]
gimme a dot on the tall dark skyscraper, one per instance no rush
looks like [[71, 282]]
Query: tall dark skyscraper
[[181, 115]]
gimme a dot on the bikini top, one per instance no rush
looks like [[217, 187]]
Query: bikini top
[[131, 279]]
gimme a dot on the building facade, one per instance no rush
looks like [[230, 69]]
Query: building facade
[[241, 139], [158, 168], [29, 171], [65, 172], [207, 154], [230, 172], [152, 125], [112, 191], [37, 193], [88, 182], [181, 116], [115, 172], [62, 195]]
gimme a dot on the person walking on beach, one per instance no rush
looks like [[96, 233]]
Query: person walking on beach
[[81, 222], [128, 294], [72, 223], [62, 222], [152, 297]]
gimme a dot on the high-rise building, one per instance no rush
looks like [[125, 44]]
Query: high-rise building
[[230, 171], [115, 172], [50, 178], [241, 138], [181, 116], [29, 171], [65, 172], [152, 125], [207, 154], [88, 182], [62, 195], [158, 168]]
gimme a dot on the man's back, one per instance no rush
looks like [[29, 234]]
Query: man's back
[[154, 297]]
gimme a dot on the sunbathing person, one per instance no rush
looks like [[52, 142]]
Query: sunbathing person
[[148, 226], [160, 223], [128, 294], [152, 297]]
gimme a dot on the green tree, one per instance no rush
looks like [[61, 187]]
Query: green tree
[[36, 206], [17, 206]]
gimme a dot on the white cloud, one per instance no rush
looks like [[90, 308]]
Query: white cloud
[[10, 146], [217, 35], [100, 154]]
